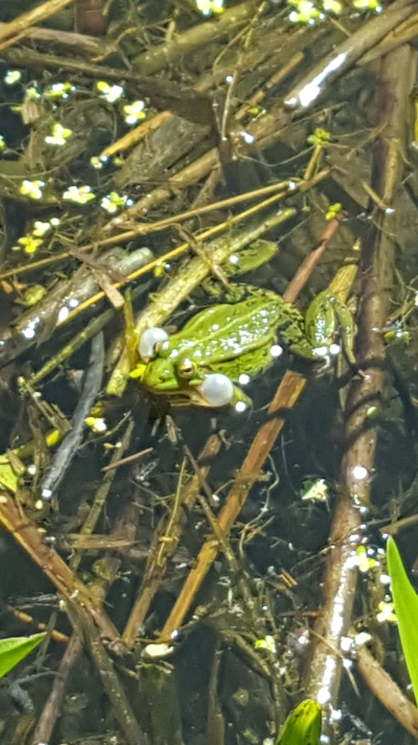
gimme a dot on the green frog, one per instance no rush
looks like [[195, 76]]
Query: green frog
[[228, 344]]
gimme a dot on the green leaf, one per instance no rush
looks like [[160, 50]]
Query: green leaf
[[11, 468], [405, 600], [302, 726], [15, 649]]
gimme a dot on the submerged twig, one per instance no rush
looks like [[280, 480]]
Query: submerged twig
[[166, 54], [37, 324], [33, 16], [54, 702], [157, 561], [305, 270], [94, 327], [286, 396], [79, 42], [117, 696], [55, 699], [68, 447], [401, 34], [191, 105], [68, 585], [386, 690], [101, 494], [377, 267], [151, 227], [306, 92]]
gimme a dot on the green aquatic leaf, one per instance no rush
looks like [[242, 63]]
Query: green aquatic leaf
[[302, 726], [8, 478], [11, 468], [406, 606], [15, 649]]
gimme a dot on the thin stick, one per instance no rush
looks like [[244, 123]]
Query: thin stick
[[101, 495], [305, 270], [117, 696], [55, 700], [155, 571], [57, 571], [34, 16], [322, 679], [342, 57], [286, 396], [387, 692], [286, 187]]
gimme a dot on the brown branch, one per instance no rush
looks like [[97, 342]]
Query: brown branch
[[55, 700], [401, 34], [117, 696], [377, 270], [79, 42], [20, 24], [271, 125], [286, 396], [342, 57], [146, 228], [170, 52], [57, 571], [102, 494], [386, 690], [156, 566], [53, 705], [305, 270], [187, 103]]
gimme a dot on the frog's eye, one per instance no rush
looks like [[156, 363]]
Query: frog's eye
[[186, 368], [149, 341], [217, 389]]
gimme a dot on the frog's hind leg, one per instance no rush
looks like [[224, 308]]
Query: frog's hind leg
[[251, 363], [347, 331]]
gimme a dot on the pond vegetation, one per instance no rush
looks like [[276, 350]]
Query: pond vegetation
[[208, 369]]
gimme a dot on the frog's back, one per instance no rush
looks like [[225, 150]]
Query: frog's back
[[229, 331]]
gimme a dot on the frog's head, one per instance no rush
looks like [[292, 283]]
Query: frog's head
[[171, 373], [181, 377], [160, 376]]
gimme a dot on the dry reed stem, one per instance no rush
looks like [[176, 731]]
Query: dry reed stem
[[323, 674], [285, 398], [51, 564], [20, 24]]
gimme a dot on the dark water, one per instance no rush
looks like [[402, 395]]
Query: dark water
[[215, 686]]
